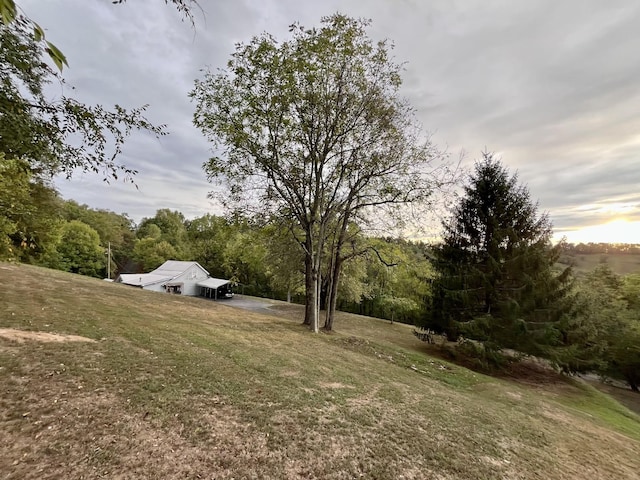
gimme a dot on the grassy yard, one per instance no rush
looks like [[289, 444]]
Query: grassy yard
[[105, 381]]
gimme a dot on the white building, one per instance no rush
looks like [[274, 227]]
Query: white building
[[184, 278]]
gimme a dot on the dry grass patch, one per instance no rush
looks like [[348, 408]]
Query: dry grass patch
[[21, 336], [183, 388]]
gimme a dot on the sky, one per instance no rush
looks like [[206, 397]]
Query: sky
[[553, 88]]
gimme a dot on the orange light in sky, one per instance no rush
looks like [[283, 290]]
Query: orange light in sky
[[616, 231]]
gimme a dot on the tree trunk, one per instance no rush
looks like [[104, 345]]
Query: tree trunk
[[329, 294], [315, 275], [328, 321], [313, 262], [311, 312], [309, 287], [336, 267], [333, 293], [325, 288]]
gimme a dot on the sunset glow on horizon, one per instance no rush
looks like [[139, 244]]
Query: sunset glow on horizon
[[619, 230]]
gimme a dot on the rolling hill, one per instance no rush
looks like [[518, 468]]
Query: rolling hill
[[105, 381]]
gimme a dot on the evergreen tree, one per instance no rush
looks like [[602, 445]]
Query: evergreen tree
[[496, 281]]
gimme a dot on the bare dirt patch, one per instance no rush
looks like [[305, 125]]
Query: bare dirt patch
[[22, 336], [625, 396], [514, 395], [532, 371]]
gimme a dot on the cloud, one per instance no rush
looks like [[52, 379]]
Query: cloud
[[551, 86]]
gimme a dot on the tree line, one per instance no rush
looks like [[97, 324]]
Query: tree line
[[591, 248], [383, 278]]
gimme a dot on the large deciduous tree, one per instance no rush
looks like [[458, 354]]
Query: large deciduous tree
[[313, 129], [160, 238], [150, 253], [208, 237], [170, 225], [496, 281]]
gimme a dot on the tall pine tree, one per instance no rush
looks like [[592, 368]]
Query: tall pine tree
[[496, 280]]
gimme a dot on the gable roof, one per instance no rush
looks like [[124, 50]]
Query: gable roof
[[175, 268], [164, 273]]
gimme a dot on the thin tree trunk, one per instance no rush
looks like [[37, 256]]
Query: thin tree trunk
[[333, 293], [311, 307], [315, 276], [336, 267], [309, 287], [327, 316], [316, 273], [313, 261], [324, 290], [327, 284]]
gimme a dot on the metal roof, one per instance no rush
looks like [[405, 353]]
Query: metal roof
[[213, 282], [142, 279], [166, 272], [173, 268]]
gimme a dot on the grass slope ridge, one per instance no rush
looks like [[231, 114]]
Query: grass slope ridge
[[176, 387]]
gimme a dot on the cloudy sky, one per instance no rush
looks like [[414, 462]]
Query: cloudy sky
[[552, 87]]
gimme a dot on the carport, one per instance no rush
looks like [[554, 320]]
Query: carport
[[215, 288]]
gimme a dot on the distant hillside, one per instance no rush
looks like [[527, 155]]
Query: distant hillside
[[620, 263], [622, 258], [106, 381]]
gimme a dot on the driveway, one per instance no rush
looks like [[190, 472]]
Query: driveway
[[253, 304]]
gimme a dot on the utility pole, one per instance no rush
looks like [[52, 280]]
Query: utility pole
[[109, 261]]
